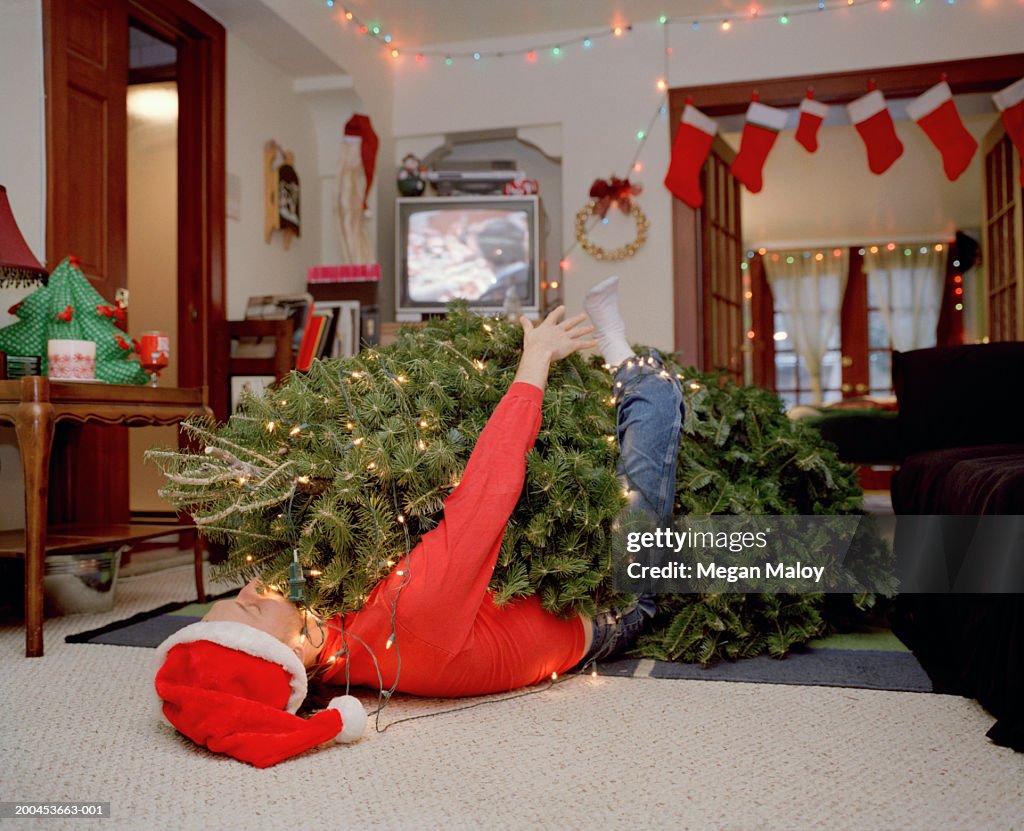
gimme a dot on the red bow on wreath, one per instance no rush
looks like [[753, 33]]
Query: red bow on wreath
[[613, 192], [67, 314]]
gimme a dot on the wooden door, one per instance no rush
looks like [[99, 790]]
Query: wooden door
[[86, 58], [86, 43], [1003, 237], [709, 330]]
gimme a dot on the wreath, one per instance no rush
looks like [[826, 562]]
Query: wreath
[[604, 196]]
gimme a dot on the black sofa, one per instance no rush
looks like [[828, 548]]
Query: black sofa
[[961, 437]]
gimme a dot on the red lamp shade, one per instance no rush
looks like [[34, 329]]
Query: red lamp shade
[[18, 266]]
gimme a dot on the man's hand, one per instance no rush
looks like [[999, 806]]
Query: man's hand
[[550, 341]]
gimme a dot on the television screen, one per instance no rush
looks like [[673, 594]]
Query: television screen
[[466, 248]]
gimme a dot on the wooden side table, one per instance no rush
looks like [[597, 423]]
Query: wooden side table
[[34, 405]]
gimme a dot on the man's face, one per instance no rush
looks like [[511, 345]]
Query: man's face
[[269, 611]]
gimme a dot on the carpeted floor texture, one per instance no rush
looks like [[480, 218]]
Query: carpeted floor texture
[[80, 724]]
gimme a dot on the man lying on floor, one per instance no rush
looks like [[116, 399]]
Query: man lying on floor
[[234, 681]]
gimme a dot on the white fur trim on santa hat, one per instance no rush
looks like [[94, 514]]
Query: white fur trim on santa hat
[[929, 101], [866, 106], [247, 639], [1010, 96], [771, 118], [695, 118], [812, 107], [353, 718]]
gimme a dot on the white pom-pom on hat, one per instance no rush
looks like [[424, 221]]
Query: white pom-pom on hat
[[353, 717]]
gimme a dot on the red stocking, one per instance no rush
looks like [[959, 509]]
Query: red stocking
[[689, 150], [936, 114], [1010, 101], [759, 134], [874, 123], [812, 113]]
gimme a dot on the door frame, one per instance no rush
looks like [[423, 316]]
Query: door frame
[[201, 77], [987, 74]]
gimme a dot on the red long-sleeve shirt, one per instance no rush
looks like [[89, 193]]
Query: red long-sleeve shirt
[[450, 636]]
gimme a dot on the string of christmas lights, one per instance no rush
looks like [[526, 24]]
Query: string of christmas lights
[[557, 48]]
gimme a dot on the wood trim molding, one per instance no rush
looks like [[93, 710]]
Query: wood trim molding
[[964, 76]]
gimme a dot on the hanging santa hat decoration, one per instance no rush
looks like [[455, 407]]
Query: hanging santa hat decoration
[[1010, 102], [871, 117], [936, 114], [690, 149], [812, 114], [359, 125], [235, 689], [760, 131]]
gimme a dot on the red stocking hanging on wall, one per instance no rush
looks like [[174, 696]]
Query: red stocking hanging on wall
[[812, 114], [690, 149], [1010, 102], [871, 117], [759, 133], [936, 114]]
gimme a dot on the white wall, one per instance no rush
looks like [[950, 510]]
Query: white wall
[[262, 105], [603, 95], [22, 172], [823, 199]]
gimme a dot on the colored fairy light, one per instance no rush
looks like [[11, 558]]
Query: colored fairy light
[[695, 25], [638, 166], [587, 43], [663, 110], [531, 56], [641, 135], [661, 85], [959, 307], [556, 51], [617, 31], [329, 4], [726, 25], [784, 19], [387, 38], [663, 20], [563, 264], [394, 53], [884, 4], [821, 5], [376, 30], [348, 15], [419, 58], [447, 60], [476, 56]]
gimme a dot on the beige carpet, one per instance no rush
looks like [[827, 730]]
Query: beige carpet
[[590, 753]]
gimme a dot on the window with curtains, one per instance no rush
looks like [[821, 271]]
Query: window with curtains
[[904, 285], [807, 289], [840, 313]]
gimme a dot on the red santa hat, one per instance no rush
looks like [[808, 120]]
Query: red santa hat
[[359, 125], [235, 689]]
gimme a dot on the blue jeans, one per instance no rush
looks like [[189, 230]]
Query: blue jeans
[[650, 421]]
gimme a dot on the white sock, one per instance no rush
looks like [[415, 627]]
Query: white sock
[[602, 305]]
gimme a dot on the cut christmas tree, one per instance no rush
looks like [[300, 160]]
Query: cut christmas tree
[[350, 463]]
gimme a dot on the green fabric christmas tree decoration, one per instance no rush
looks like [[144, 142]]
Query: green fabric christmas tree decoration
[[350, 463], [68, 307]]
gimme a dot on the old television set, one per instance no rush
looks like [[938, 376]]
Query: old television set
[[471, 248]]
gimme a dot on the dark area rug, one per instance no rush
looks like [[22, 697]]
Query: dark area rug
[[869, 660]]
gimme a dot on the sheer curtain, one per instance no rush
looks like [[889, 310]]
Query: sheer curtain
[[808, 287], [905, 283]]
